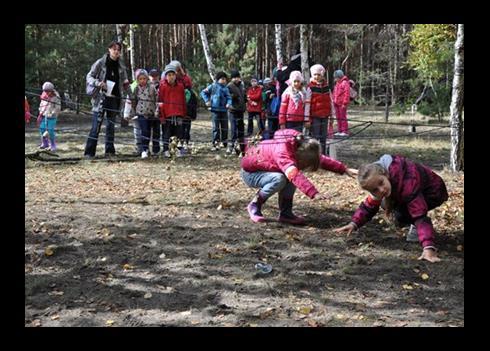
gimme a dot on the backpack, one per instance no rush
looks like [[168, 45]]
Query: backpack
[[191, 103]]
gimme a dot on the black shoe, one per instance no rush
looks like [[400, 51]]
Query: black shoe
[[110, 154], [89, 157]]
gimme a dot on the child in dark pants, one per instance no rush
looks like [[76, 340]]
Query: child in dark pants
[[217, 97], [144, 106], [173, 108]]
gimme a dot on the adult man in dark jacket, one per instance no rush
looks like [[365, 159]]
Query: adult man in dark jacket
[[106, 83]]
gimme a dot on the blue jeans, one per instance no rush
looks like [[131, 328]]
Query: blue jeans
[[269, 183], [319, 131], [220, 127], [148, 125], [48, 124], [109, 107], [237, 128]]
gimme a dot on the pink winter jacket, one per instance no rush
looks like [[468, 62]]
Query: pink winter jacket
[[341, 92], [415, 189], [278, 155], [290, 112]]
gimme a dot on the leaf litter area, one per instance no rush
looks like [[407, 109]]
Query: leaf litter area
[[161, 243]]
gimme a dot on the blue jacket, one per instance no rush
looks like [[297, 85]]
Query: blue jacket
[[219, 95]]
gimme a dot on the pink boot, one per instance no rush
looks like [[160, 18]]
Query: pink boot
[[44, 143], [53, 145], [254, 209]]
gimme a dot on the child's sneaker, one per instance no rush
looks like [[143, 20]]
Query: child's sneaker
[[144, 154], [180, 153], [412, 235], [166, 154], [229, 150]]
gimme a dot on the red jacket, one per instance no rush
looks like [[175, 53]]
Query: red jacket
[[278, 155], [171, 100], [341, 92], [185, 80], [321, 104], [290, 112], [416, 189], [254, 94]]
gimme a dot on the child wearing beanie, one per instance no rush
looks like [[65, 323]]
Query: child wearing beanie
[[49, 108]]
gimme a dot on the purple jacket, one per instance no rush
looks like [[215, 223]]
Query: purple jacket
[[415, 189], [278, 155]]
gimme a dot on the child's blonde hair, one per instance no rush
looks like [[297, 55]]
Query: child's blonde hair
[[308, 153], [365, 173]]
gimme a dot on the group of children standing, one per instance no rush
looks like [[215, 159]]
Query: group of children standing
[[301, 106], [152, 103]]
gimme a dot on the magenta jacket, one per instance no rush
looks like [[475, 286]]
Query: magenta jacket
[[278, 155], [415, 189], [341, 92]]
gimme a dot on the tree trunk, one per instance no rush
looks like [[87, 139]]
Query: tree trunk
[[120, 38], [395, 66], [303, 39], [457, 103], [266, 43], [278, 33], [256, 49], [131, 52], [360, 65], [207, 53]]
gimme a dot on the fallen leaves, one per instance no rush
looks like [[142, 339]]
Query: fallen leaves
[[127, 267], [305, 309], [148, 295], [49, 251], [424, 276], [407, 287], [313, 323], [109, 323]]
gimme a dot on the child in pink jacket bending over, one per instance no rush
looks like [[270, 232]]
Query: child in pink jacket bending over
[[275, 165]]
